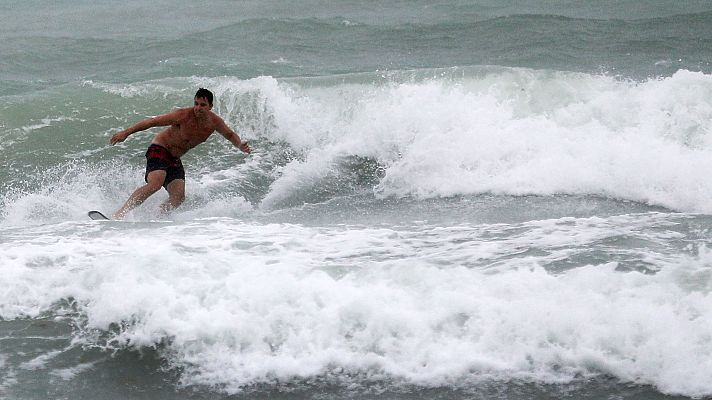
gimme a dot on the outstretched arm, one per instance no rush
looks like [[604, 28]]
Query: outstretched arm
[[171, 118], [230, 135]]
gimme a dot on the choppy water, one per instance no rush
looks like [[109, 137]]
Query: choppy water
[[445, 200]]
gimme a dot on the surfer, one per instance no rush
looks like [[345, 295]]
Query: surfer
[[187, 128]]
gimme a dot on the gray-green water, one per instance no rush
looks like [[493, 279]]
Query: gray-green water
[[446, 200]]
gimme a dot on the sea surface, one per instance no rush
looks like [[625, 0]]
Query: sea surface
[[446, 200]]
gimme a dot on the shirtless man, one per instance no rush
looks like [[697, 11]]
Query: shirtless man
[[187, 128]]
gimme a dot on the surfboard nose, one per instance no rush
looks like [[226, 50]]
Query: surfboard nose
[[96, 215]]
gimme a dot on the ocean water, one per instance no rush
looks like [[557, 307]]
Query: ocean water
[[445, 200]]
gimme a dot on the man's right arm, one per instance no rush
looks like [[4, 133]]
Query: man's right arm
[[172, 118]]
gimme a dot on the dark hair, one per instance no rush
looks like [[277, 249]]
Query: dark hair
[[206, 94]]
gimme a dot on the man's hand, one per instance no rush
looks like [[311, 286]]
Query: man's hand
[[119, 137], [245, 147]]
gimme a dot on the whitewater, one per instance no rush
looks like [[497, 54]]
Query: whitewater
[[449, 201]]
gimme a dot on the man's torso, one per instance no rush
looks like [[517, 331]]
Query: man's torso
[[185, 135]]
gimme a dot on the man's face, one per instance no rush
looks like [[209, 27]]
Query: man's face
[[201, 106]]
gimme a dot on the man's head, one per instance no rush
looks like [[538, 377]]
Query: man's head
[[203, 102], [205, 94]]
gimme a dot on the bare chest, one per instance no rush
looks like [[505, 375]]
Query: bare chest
[[181, 138], [193, 132]]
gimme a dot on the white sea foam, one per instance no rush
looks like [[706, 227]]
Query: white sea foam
[[40, 361], [46, 122], [508, 131], [69, 373], [67, 192], [8, 375], [239, 304]]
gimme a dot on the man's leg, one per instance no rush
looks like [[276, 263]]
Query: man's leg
[[155, 181], [176, 195]]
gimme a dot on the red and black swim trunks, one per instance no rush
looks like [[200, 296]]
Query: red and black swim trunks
[[159, 158]]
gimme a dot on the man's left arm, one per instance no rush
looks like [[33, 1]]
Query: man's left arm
[[230, 135]]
